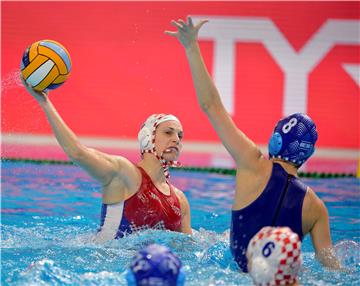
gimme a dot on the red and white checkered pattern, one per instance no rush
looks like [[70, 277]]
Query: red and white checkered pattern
[[147, 139], [279, 250], [159, 226]]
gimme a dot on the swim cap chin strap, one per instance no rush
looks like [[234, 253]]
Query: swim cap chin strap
[[146, 138]]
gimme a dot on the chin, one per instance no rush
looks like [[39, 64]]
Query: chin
[[171, 157]]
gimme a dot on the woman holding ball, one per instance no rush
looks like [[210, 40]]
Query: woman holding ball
[[135, 196]]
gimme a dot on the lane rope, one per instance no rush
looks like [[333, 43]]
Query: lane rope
[[216, 170]]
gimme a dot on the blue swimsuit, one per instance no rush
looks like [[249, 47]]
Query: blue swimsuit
[[280, 204]]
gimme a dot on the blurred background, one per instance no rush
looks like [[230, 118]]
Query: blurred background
[[268, 59]]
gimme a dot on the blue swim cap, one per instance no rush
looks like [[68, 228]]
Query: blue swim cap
[[155, 265], [293, 139]]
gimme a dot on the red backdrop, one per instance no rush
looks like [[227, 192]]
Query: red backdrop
[[125, 67]]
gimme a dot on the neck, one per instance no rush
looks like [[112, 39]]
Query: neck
[[153, 167], [290, 168]]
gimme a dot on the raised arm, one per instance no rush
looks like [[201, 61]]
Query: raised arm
[[100, 166], [242, 149]]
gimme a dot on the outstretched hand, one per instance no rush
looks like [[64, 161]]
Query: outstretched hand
[[186, 31], [38, 95]]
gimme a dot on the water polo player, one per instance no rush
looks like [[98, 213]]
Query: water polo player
[[155, 265], [268, 191], [135, 197], [274, 257]]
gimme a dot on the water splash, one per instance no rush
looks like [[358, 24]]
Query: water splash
[[45, 272], [69, 257], [56, 247], [49, 272], [348, 252], [10, 81]]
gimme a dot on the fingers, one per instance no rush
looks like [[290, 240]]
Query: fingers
[[45, 92], [22, 80], [26, 85], [189, 20], [177, 24], [170, 33], [30, 88], [201, 23], [181, 25], [181, 21]]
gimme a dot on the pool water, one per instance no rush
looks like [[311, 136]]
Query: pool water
[[50, 212]]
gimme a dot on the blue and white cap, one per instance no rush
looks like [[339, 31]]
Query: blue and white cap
[[293, 139], [155, 265]]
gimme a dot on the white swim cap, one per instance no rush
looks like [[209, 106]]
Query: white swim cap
[[274, 256], [146, 138]]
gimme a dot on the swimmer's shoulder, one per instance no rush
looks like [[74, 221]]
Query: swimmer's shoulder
[[311, 201], [313, 210], [125, 170], [254, 178], [184, 203], [119, 163], [180, 195], [126, 181]]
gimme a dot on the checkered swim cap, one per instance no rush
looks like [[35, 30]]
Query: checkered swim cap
[[274, 256], [293, 139], [146, 138]]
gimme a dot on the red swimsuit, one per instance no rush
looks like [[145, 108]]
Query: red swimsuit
[[147, 208]]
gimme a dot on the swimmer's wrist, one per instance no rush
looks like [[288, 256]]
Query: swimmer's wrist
[[44, 102], [193, 47]]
